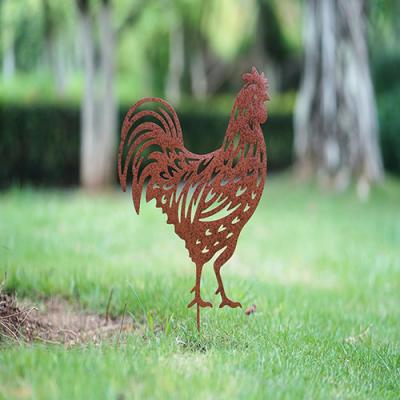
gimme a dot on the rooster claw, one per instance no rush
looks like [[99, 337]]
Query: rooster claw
[[200, 302], [229, 303]]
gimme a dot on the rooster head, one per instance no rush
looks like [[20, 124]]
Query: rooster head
[[253, 96]]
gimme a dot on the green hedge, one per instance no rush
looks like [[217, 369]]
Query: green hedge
[[205, 132], [385, 71], [389, 120], [39, 144]]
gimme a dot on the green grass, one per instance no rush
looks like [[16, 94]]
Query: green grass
[[320, 268]]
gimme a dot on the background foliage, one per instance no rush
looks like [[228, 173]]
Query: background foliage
[[39, 123]]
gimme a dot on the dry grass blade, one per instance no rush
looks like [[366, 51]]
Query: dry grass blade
[[58, 322], [108, 304], [122, 324], [358, 338]]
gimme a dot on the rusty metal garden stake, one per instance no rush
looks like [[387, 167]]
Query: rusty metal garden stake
[[207, 197]]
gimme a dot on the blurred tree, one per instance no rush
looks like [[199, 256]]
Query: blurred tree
[[269, 49], [228, 42], [54, 21], [383, 35], [89, 143], [98, 108], [10, 12], [176, 62], [108, 103], [200, 59], [271, 31], [335, 117], [384, 25]]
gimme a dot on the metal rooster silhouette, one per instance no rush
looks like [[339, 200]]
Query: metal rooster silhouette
[[207, 197]]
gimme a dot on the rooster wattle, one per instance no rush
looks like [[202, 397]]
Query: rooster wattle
[[208, 198]]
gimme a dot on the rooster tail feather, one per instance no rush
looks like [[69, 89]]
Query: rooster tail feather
[[143, 133]]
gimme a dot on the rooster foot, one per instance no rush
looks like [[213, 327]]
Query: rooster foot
[[200, 302], [227, 302]]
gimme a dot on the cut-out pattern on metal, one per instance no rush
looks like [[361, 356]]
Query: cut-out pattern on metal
[[207, 197]]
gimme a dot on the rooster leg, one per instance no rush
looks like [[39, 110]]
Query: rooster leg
[[197, 298], [196, 289], [225, 300]]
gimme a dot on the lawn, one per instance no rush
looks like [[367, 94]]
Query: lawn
[[323, 270]]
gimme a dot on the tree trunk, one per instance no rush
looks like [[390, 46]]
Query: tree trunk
[[58, 65], [8, 62], [54, 53], [56, 62], [336, 133], [176, 64], [198, 74], [107, 115], [98, 108], [88, 171]]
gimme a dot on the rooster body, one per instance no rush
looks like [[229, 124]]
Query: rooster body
[[208, 198]]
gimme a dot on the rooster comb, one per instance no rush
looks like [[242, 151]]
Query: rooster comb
[[256, 78]]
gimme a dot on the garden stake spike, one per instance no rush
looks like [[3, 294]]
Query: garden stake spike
[[207, 197]]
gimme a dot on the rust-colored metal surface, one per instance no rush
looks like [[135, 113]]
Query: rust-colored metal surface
[[207, 197]]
